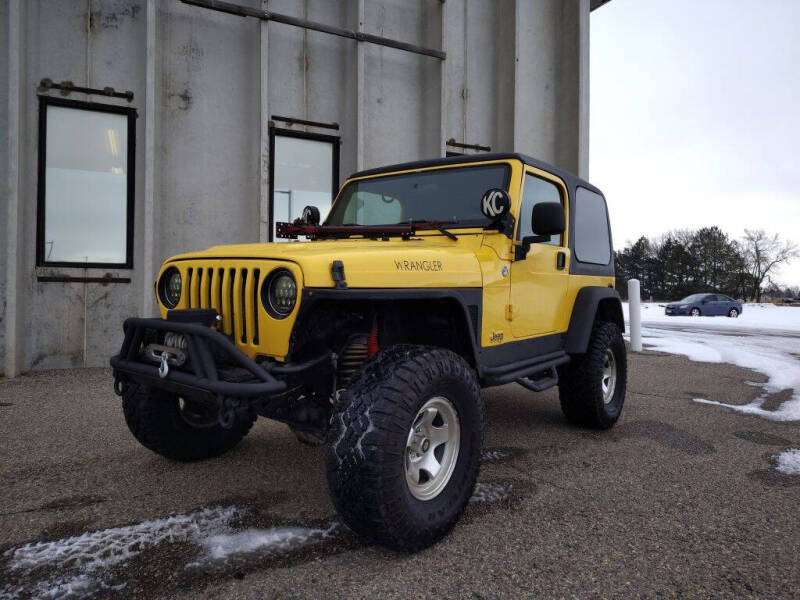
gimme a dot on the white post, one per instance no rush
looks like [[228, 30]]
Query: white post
[[635, 315]]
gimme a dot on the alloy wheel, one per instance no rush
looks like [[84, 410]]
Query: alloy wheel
[[432, 448]]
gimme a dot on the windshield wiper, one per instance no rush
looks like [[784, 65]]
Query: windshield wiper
[[440, 226], [449, 234]]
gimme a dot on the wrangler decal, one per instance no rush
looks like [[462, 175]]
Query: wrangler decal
[[418, 265]]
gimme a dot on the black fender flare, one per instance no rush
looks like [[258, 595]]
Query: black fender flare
[[468, 300], [590, 303]]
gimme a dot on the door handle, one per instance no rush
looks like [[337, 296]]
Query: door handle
[[561, 260]]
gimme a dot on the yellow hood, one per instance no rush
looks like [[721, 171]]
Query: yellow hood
[[423, 261]]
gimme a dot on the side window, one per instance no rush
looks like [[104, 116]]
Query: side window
[[536, 190], [592, 241]]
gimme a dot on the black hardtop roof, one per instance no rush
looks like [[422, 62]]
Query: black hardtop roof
[[571, 180]]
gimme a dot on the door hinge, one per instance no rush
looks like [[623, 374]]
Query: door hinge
[[509, 312]]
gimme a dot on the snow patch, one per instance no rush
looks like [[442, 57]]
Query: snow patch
[[490, 492], [788, 411], [772, 355], [275, 540], [75, 566], [494, 455], [789, 462], [77, 561]]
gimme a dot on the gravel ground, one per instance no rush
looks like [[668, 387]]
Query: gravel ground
[[679, 499]]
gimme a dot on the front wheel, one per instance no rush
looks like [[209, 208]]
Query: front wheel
[[404, 446], [177, 427], [695, 312], [733, 313], [592, 386]]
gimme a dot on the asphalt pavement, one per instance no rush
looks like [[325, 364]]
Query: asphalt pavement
[[679, 499]]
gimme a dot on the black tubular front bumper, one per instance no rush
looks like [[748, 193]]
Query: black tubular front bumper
[[202, 374]]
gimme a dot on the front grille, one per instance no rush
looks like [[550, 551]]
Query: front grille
[[233, 293]]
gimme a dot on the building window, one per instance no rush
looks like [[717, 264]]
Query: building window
[[304, 170], [86, 170]]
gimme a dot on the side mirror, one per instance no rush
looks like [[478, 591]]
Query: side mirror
[[310, 216], [548, 219]]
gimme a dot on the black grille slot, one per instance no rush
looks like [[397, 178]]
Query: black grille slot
[[199, 302], [229, 308], [220, 273], [256, 282], [210, 276], [189, 273], [243, 287]]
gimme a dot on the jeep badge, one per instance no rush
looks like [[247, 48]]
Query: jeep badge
[[495, 203]]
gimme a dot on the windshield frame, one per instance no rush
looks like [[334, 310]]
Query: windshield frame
[[427, 224]]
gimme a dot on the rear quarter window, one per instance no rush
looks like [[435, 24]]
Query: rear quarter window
[[592, 241]]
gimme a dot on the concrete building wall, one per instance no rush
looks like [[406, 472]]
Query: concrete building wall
[[4, 27], [205, 86]]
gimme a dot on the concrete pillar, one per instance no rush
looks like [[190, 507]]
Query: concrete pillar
[[583, 89], [13, 253], [265, 200], [360, 74], [148, 222], [443, 85]]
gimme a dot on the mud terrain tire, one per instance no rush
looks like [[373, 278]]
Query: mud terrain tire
[[154, 418], [367, 446], [581, 381]]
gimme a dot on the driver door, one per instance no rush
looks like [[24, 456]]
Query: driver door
[[539, 281], [716, 305]]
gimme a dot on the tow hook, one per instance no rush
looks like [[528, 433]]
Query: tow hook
[[163, 368], [227, 412]]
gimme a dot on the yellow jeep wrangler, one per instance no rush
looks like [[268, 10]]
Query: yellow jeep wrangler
[[427, 282]]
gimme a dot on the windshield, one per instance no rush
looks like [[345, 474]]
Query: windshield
[[694, 298], [452, 195]]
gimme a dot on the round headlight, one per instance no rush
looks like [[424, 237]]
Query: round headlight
[[169, 287], [279, 293]]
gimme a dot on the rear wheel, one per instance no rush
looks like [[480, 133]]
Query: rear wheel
[[177, 427], [733, 313], [404, 446], [592, 385]]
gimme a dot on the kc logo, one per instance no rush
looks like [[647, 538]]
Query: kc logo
[[495, 203]]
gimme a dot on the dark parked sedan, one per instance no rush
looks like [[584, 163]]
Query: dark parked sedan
[[705, 304]]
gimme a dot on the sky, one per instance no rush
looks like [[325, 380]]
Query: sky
[[695, 117]]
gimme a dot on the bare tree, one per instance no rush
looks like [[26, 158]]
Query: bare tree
[[762, 254]]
